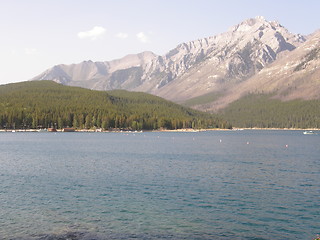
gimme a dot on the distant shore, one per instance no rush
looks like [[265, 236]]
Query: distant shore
[[188, 130]]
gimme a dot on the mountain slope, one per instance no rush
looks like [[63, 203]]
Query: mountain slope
[[265, 111], [216, 63], [96, 75], [45, 104], [191, 69], [295, 76]]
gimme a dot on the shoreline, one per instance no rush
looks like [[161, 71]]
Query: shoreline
[[183, 130]]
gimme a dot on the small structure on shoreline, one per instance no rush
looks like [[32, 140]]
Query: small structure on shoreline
[[68, 130]]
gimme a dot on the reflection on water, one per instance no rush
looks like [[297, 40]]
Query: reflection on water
[[206, 185]]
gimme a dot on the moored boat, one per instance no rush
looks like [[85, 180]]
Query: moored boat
[[42, 130], [308, 132]]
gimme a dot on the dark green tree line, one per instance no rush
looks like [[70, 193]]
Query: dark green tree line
[[263, 111], [43, 104]]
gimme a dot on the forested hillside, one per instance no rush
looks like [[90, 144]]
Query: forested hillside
[[264, 111], [42, 104]]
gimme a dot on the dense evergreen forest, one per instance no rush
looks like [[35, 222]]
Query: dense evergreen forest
[[263, 111], [44, 104]]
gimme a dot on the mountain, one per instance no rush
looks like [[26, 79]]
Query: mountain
[[99, 75], [294, 76], [257, 74], [205, 66], [216, 63], [41, 104]]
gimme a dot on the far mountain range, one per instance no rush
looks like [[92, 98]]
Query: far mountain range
[[253, 57]]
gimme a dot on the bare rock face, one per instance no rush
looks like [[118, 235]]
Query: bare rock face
[[293, 76], [192, 69], [216, 63]]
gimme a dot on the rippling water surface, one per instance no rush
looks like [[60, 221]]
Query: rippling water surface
[[206, 185]]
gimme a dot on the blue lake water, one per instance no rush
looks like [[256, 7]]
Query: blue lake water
[[204, 185]]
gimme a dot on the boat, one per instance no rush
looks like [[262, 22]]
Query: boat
[[308, 132], [68, 130], [42, 130]]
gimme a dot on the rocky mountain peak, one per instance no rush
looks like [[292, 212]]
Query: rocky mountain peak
[[294, 76], [250, 23], [231, 56]]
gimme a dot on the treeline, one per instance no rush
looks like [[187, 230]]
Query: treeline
[[262, 111], [43, 104]]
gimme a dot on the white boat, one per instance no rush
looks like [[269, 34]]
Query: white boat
[[308, 132], [42, 130]]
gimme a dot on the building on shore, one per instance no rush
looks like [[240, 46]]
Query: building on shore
[[68, 130]]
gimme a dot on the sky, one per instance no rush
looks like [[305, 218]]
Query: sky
[[38, 34]]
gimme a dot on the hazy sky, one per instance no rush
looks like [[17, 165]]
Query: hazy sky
[[38, 34]]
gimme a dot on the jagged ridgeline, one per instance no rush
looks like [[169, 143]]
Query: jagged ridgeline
[[42, 104]]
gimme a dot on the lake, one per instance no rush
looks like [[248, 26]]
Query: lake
[[251, 184]]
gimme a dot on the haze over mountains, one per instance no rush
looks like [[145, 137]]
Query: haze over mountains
[[255, 56]]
